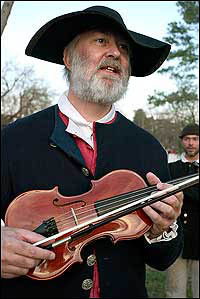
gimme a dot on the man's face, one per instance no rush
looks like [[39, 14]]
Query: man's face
[[191, 145], [100, 67]]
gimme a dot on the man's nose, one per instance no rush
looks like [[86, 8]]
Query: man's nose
[[191, 142], [113, 51]]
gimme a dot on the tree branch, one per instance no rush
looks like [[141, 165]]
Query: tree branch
[[5, 12]]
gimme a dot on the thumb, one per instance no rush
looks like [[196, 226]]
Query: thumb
[[152, 178]]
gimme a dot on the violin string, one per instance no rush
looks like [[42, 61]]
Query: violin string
[[106, 207], [105, 210], [137, 203], [136, 192], [117, 211], [84, 218]]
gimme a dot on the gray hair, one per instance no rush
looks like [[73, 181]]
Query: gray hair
[[70, 49]]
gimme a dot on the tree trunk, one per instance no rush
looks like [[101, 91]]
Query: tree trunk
[[5, 12]]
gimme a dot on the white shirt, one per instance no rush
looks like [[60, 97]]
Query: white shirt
[[184, 160], [77, 124]]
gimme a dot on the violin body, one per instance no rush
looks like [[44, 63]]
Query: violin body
[[30, 209]]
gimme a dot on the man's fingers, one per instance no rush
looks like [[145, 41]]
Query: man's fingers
[[35, 252], [30, 237], [22, 261], [19, 241], [152, 178], [14, 271]]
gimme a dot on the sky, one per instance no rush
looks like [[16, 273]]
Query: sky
[[146, 17]]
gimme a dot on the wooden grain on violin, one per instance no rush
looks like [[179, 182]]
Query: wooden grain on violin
[[30, 209], [112, 208]]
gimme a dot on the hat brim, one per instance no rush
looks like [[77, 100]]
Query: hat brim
[[50, 40]]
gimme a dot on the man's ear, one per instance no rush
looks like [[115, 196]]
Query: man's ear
[[66, 59]]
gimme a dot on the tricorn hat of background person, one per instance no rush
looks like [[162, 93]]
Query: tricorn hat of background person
[[147, 54], [191, 129]]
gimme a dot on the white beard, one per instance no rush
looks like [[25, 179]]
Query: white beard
[[97, 90]]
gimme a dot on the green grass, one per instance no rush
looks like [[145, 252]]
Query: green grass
[[155, 283]]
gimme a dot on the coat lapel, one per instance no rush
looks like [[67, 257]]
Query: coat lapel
[[64, 141]]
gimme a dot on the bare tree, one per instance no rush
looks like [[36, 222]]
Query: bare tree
[[21, 93], [5, 12]]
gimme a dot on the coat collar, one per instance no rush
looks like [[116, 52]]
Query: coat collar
[[62, 139]]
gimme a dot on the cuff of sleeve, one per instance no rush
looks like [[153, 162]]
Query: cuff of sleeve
[[165, 235]]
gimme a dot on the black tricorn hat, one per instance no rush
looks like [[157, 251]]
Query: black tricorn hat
[[191, 129], [48, 43]]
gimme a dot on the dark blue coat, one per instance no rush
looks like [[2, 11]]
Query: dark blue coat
[[190, 210], [29, 162]]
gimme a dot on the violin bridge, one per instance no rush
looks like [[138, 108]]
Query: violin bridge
[[74, 215]]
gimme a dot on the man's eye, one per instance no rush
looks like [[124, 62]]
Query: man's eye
[[101, 40], [124, 47]]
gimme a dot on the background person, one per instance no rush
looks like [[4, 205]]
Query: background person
[[187, 265]]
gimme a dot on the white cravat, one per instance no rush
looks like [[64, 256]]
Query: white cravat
[[77, 124]]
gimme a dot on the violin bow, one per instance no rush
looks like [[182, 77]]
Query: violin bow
[[118, 212]]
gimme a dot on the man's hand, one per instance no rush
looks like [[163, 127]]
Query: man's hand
[[162, 213], [17, 253]]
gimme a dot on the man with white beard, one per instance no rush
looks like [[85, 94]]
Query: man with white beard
[[80, 140], [93, 88]]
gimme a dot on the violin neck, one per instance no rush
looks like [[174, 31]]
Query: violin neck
[[110, 209], [141, 198], [119, 211]]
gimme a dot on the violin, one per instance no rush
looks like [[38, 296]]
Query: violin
[[111, 208]]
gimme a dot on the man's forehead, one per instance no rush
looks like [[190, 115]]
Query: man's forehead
[[106, 31], [191, 136]]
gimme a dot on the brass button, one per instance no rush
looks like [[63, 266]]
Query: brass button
[[87, 284], [185, 222], [185, 214], [91, 260], [85, 171]]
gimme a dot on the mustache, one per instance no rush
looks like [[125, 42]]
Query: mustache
[[108, 62]]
